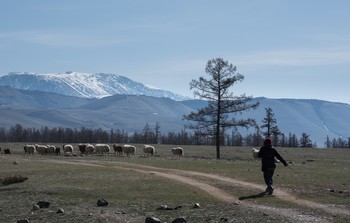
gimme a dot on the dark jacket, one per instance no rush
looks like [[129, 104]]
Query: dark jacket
[[267, 154]]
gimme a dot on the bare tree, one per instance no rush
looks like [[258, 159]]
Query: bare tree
[[222, 105], [275, 131], [305, 140], [157, 134], [328, 142], [269, 122]]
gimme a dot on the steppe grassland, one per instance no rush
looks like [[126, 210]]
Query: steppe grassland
[[314, 174]]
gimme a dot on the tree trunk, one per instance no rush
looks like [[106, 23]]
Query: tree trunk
[[218, 145], [218, 122]]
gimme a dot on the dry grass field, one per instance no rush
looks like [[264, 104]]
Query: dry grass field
[[316, 187]]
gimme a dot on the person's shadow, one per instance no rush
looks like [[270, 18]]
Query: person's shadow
[[254, 196]]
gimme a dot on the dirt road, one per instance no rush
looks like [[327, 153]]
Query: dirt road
[[193, 179]]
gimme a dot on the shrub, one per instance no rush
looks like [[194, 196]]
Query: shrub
[[13, 179]]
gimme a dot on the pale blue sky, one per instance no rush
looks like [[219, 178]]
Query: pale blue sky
[[284, 48]]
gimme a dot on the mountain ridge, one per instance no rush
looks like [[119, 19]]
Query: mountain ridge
[[84, 85], [36, 109]]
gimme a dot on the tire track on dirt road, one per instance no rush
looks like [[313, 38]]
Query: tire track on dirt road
[[186, 177]]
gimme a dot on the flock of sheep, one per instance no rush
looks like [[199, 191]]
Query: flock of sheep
[[98, 149]]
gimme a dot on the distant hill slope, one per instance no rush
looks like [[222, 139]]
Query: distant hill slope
[[315, 117], [82, 85], [131, 113], [39, 99]]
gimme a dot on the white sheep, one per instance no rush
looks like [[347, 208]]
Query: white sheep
[[129, 150], [41, 149], [89, 149], [102, 148], [29, 149], [68, 148], [255, 153], [178, 151], [149, 150]]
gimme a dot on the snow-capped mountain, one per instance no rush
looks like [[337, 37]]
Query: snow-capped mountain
[[84, 85]]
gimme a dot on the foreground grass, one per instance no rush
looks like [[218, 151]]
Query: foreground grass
[[76, 190], [318, 175]]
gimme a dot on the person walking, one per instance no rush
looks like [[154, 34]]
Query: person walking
[[268, 154]]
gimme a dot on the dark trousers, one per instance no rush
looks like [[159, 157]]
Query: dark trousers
[[268, 174]]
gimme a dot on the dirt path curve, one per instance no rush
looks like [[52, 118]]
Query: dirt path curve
[[187, 177]]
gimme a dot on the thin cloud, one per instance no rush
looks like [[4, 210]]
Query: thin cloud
[[297, 57], [64, 38]]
